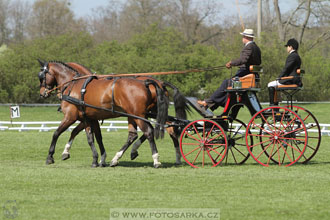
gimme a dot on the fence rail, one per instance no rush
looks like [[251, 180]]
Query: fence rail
[[52, 125], [107, 125]]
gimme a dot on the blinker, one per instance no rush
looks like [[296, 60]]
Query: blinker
[[41, 75]]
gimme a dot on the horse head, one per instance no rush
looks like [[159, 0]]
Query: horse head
[[54, 73], [47, 80]]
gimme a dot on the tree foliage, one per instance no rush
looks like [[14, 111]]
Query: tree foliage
[[152, 51], [153, 36]]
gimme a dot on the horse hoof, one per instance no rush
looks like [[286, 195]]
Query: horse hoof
[[65, 156], [178, 163], [157, 165], [94, 165], [113, 164], [134, 155], [50, 161]]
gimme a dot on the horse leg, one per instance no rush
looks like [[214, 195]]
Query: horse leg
[[173, 134], [148, 132], [62, 127], [136, 145], [74, 133], [98, 136], [174, 137], [90, 140], [132, 136]]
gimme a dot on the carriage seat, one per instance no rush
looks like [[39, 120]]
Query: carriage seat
[[251, 80], [300, 73]]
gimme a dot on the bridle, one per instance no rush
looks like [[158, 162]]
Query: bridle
[[42, 78]]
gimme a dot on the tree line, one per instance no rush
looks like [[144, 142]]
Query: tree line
[[155, 35]]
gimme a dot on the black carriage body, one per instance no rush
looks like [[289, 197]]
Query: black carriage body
[[238, 98]]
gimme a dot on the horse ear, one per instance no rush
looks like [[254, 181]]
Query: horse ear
[[42, 63]]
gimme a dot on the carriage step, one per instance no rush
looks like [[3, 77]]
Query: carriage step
[[204, 112]]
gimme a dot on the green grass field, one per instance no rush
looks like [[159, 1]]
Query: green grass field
[[73, 190]]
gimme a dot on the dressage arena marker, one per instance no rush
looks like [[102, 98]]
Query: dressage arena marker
[[14, 112]]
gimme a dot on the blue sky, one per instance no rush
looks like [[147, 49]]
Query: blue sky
[[84, 7]]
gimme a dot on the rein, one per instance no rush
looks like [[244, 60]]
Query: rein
[[138, 74]]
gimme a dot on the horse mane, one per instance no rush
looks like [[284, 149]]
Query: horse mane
[[64, 64], [85, 67]]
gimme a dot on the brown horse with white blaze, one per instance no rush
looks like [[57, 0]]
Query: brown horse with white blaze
[[103, 98]]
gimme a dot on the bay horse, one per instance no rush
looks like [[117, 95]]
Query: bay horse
[[102, 99], [180, 109]]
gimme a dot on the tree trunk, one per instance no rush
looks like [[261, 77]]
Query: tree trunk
[[279, 20], [304, 24]]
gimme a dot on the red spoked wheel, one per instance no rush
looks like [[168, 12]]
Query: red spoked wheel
[[282, 136], [313, 132], [237, 152], [203, 143]]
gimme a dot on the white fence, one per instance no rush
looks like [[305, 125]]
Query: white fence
[[108, 125], [52, 125]]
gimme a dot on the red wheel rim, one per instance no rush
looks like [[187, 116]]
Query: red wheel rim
[[203, 143], [282, 136], [313, 132]]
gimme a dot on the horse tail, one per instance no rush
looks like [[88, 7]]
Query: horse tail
[[180, 102], [162, 109]]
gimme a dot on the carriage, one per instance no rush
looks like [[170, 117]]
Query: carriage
[[275, 135], [279, 135]]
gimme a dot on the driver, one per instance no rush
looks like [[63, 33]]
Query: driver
[[250, 55]]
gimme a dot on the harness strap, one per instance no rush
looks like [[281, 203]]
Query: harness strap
[[113, 95], [72, 100], [83, 91], [83, 88], [70, 89]]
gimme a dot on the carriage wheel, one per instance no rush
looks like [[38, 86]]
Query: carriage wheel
[[237, 152], [313, 132], [282, 136], [203, 143]]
